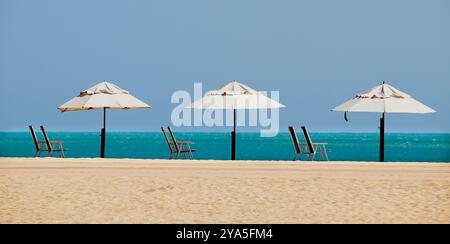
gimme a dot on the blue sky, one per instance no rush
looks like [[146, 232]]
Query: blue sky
[[318, 54]]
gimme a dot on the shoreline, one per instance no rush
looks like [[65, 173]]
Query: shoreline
[[52, 190], [237, 161]]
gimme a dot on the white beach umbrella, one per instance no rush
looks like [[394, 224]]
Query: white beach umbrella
[[235, 96], [104, 96], [383, 99]]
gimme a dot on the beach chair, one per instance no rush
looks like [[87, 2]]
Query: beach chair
[[39, 145], [311, 149], [180, 147], [296, 143], [169, 143], [53, 146]]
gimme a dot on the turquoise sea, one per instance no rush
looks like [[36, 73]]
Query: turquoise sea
[[250, 146]]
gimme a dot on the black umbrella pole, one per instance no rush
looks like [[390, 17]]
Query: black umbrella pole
[[103, 135], [382, 138], [233, 139], [103, 139]]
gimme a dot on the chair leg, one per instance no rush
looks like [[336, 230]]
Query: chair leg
[[178, 155], [190, 152], [171, 156], [305, 151], [182, 153], [325, 151], [317, 149], [321, 152], [301, 152], [62, 151]]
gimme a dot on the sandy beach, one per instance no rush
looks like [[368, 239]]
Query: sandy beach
[[49, 190]]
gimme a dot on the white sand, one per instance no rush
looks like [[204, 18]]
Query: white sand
[[157, 191]]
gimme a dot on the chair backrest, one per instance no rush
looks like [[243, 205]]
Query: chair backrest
[[167, 140], [47, 141], [308, 139], [294, 139], [33, 135], [175, 144]]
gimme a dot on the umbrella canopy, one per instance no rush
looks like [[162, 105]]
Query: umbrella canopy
[[235, 96], [104, 96], [383, 99]]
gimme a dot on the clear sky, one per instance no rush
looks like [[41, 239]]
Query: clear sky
[[317, 53]]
